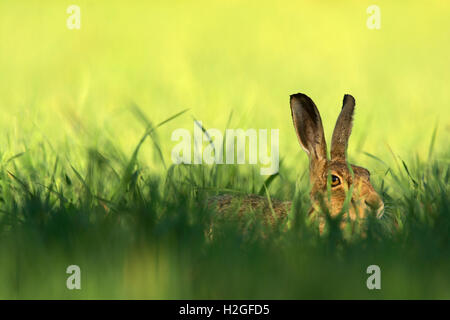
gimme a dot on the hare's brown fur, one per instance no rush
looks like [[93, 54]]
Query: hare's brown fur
[[271, 211], [344, 177]]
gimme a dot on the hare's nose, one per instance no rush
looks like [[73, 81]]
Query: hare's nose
[[375, 203]]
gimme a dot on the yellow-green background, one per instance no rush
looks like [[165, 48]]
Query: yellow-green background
[[73, 88], [63, 91]]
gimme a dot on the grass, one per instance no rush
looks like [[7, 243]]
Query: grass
[[148, 239], [85, 170]]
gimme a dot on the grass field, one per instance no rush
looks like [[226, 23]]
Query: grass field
[[77, 187]]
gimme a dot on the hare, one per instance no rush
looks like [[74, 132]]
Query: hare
[[332, 180]]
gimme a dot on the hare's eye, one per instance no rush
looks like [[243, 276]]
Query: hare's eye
[[335, 181]]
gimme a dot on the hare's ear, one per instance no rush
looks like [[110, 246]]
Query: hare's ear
[[343, 129], [308, 126]]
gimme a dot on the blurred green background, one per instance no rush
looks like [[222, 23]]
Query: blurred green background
[[217, 56], [67, 96]]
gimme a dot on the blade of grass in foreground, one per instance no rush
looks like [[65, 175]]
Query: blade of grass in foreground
[[267, 182], [433, 139], [409, 174], [374, 157], [140, 115], [129, 168], [15, 157]]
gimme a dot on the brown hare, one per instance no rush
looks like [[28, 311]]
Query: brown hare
[[332, 180]]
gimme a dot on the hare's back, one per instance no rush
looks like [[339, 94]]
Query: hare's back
[[242, 204]]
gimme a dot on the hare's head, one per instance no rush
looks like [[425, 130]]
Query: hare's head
[[333, 180]]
